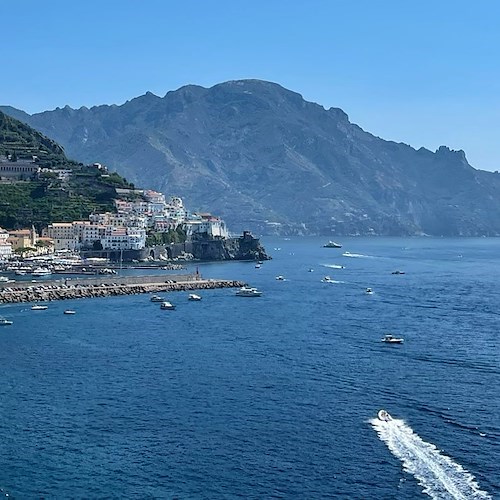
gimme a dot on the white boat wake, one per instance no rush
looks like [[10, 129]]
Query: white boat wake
[[357, 255], [333, 266], [439, 475]]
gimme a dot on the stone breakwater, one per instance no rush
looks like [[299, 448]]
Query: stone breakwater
[[90, 289]]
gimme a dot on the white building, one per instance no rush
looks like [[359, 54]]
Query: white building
[[206, 224], [5, 246], [124, 238], [63, 235]]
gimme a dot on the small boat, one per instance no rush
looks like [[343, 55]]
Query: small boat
[[20, 272], [384, 416], [246, 291], [194, 297], [257, 266], [369, 291], [311, 270], [4, 279], [156, 298], [398, 272], [390, 339], [38, 307], [332, 244], [5, 322], [280, 278], [327, 279], [69, 311], [167, 305]]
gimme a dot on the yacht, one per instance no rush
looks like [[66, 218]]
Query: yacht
[[167, 305], [246, 291], [390, 339], [5, 322], [332, 244], [38, 307], [41, 271], [194, 297], [156, 298], [384, 416]]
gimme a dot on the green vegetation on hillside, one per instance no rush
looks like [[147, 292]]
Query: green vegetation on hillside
[[22, 142], [48, 198], [173, 236]]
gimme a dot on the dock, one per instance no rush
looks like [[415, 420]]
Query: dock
[[49, 290]]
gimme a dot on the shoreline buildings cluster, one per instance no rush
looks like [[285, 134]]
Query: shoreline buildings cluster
[[139, 213]]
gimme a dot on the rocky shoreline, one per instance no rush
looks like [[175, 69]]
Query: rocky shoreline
[[44, 293]]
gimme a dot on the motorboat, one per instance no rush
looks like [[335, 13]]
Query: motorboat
[[246, 291], [69, 311], [311, 270], [167, 305], [327, 279], [38, 307], [194, 297], [156, 298], [398, 272], [4, 279], [332, 244], [384, 416], [390, 339], [257, 266], [41, 271], [369, 291], [280, 278], [5, 322]]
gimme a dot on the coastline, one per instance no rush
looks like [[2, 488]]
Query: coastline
[[107, 287]]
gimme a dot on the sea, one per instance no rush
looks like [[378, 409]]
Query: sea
[[266, 397]]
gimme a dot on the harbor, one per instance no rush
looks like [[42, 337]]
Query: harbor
[[49, 290]]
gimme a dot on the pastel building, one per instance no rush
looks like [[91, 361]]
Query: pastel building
[[5, 245]]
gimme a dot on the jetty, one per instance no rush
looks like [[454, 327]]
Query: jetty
[[48, 290]]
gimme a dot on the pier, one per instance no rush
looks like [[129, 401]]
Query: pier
[[49, 290]]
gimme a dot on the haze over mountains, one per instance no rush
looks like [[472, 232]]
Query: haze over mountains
[[264, 158]]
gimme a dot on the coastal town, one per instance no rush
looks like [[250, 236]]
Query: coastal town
[[139, 213]]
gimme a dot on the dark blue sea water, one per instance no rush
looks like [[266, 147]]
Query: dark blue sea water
[[266, 397]]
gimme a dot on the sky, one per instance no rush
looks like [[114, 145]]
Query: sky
[[419, 72]]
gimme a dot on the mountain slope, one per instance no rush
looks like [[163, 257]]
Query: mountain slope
[[253, 152], [49, 198]]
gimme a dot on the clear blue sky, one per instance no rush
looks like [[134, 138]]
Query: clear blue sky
[[420, 72]]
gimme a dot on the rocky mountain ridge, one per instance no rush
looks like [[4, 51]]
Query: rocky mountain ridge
[[265, 159]]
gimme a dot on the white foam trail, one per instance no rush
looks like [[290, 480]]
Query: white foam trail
[[440, 477], [357, 255], [333, 266]]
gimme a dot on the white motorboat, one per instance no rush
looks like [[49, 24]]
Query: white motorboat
[[167, 305], [194, 297], [332, 244], [4, 279], [156, 298], [257, 266], [41, 271], [280, 278], [5, 322], [390, 339], [38, 307], [369, 291], [246, 291], [384, 416], [327, 279], [69, 311]]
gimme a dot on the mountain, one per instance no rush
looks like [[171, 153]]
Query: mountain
[[48, 197], [263, 158]]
